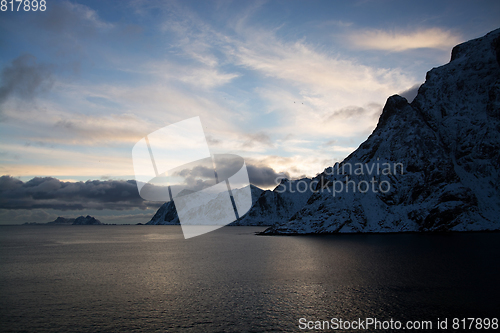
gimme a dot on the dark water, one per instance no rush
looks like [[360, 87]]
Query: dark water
[[148, 278]]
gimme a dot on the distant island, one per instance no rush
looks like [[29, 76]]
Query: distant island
[[82, 220]]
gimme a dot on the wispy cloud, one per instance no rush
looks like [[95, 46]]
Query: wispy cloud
[[336, 23], [72, 18], [251, 84], [201, 76], [69, 161], [300, 63], [397, 41], [318, 81], [260, 138], [304, 84], [411, 92]]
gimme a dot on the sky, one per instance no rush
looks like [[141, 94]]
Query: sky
[[291, 86]]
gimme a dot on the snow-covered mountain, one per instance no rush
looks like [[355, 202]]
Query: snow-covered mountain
[[278, 205], [167, 213], [432, 165], [268, 207], [429, 165]]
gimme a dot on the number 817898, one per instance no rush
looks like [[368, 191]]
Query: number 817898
[[23, 5]]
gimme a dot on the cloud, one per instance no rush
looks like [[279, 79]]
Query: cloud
[[98, 130], [123, 115], [192, 68], [434, 38], [49, 127], [200, 176], [25, 78], [317, 77], [21, 159], [68, 29], [411, 92], [322, 81], [259, 138], [264, 176], [355, 115], [52, 193], [347, 112], [308, 161], [199, 76], [312, 71], [335, 23], [67, 17], [212, 141], [48, 192], [318, 82], [258, 174], [330, 142], [206, 77]]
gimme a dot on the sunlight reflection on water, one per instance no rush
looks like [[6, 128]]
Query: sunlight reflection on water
[[150, 278]]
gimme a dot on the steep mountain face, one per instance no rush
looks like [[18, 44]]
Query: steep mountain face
[[432, 165], [268, 207], [166, 214]]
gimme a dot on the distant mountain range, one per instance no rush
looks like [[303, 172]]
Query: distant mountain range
[[429, 165], [82, 220]]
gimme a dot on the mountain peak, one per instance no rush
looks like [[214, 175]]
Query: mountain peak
[[445, 147], [394, 104]]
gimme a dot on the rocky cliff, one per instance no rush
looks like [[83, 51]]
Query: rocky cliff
[[432, 165]]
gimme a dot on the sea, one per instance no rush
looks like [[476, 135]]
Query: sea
[[140, 278]]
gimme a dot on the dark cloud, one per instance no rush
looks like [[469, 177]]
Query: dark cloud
[[347, 112], [198, 171], [25, 78], [212, 141], [264, 176], [196, 176], [52, 193], [410, 93], [48, 192], [199, 175], [258, 175]]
